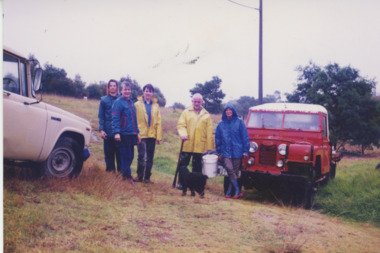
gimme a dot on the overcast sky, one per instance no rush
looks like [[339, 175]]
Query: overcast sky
[[154, 41]]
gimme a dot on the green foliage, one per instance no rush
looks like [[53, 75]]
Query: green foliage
[[161, 101], [55, 81], [94, 91], [353, 113], [178, 105], [212, 95], [354, 194], [243, 104]]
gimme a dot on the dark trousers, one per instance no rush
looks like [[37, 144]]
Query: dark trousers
[[126, 153], [111, 152], [232, 165], [196, 162], [145, 157]]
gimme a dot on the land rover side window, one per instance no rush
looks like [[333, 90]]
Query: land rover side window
[[324, 126], [301, 121], [265, 120], [11, 81]]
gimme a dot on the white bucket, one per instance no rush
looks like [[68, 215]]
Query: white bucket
[[210, 165]]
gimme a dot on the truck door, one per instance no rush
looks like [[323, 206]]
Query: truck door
[[24, 124]]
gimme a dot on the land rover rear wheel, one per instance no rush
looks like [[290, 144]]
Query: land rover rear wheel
[[65, 160]]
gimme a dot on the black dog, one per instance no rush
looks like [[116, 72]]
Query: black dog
[[195, 181]]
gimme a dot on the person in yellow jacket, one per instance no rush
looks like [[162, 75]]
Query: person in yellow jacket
[[149, 122], [195, 129]]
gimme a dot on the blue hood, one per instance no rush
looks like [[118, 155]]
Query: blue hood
[[234, 113]]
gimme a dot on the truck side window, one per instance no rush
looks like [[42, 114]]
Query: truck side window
[[11, 81], [324, 126]]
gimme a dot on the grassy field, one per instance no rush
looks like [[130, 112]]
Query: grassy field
[[98, 212]]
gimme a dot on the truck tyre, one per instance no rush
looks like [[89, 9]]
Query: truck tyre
[[65, 160]]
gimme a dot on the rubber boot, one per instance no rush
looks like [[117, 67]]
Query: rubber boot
[[238, 193], [228, 193]]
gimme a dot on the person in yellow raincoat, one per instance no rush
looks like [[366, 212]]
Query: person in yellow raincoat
[[149, 122], [195, 129]]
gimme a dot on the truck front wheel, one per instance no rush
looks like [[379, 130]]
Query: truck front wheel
[[65, 160]]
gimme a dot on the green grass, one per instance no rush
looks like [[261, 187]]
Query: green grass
[[354, 194]]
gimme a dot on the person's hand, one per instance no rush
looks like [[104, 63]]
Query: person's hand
[[138, 139], [158, 142], [220, 158], [184, 138], [103, 134], [117, 137]]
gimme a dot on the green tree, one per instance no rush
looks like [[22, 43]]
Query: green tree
[[212, 94], [243, 104], [161, 101], [79, 86], [51, 77], [353, 113], [94, 91], [178, 105]]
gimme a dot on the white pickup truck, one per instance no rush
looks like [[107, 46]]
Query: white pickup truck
[[36, 131]]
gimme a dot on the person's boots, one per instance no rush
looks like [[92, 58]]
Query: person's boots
[[228, 193], [238, 193]]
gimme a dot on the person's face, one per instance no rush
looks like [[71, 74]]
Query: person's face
[[112, 88], [148, 94], [197, 103], [126, 91], [229, 112]]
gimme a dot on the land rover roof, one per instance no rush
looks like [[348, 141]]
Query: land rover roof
[[289, 107]]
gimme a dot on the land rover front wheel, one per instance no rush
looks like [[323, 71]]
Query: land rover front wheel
[[65, 160]]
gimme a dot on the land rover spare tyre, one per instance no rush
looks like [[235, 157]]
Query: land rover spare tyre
[[65, 160]]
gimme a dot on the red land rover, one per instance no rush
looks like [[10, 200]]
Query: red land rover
[[289, 143]]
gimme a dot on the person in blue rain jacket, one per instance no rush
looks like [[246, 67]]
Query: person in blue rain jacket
[[232, 144]]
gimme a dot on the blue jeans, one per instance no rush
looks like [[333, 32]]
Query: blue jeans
[[126, 154], [110, 153], [145, 157]]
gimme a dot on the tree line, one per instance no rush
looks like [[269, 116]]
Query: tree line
[[354, 111], [55, 81]]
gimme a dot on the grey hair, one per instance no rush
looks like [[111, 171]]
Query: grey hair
[[197, 95], [125, 83]]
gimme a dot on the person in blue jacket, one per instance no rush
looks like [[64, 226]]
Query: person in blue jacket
[[125, 129], [232, 143], [105, 126]]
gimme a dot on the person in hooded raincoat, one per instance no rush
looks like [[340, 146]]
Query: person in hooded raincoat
[[232, 143], [195, 129]]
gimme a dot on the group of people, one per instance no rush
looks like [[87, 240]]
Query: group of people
[[124, 124]]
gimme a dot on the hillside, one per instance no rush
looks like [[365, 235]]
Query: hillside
[[98, 212]]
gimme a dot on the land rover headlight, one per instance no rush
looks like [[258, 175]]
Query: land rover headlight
[[280, 163], [282, 149], [253, 147], [251, 161]]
